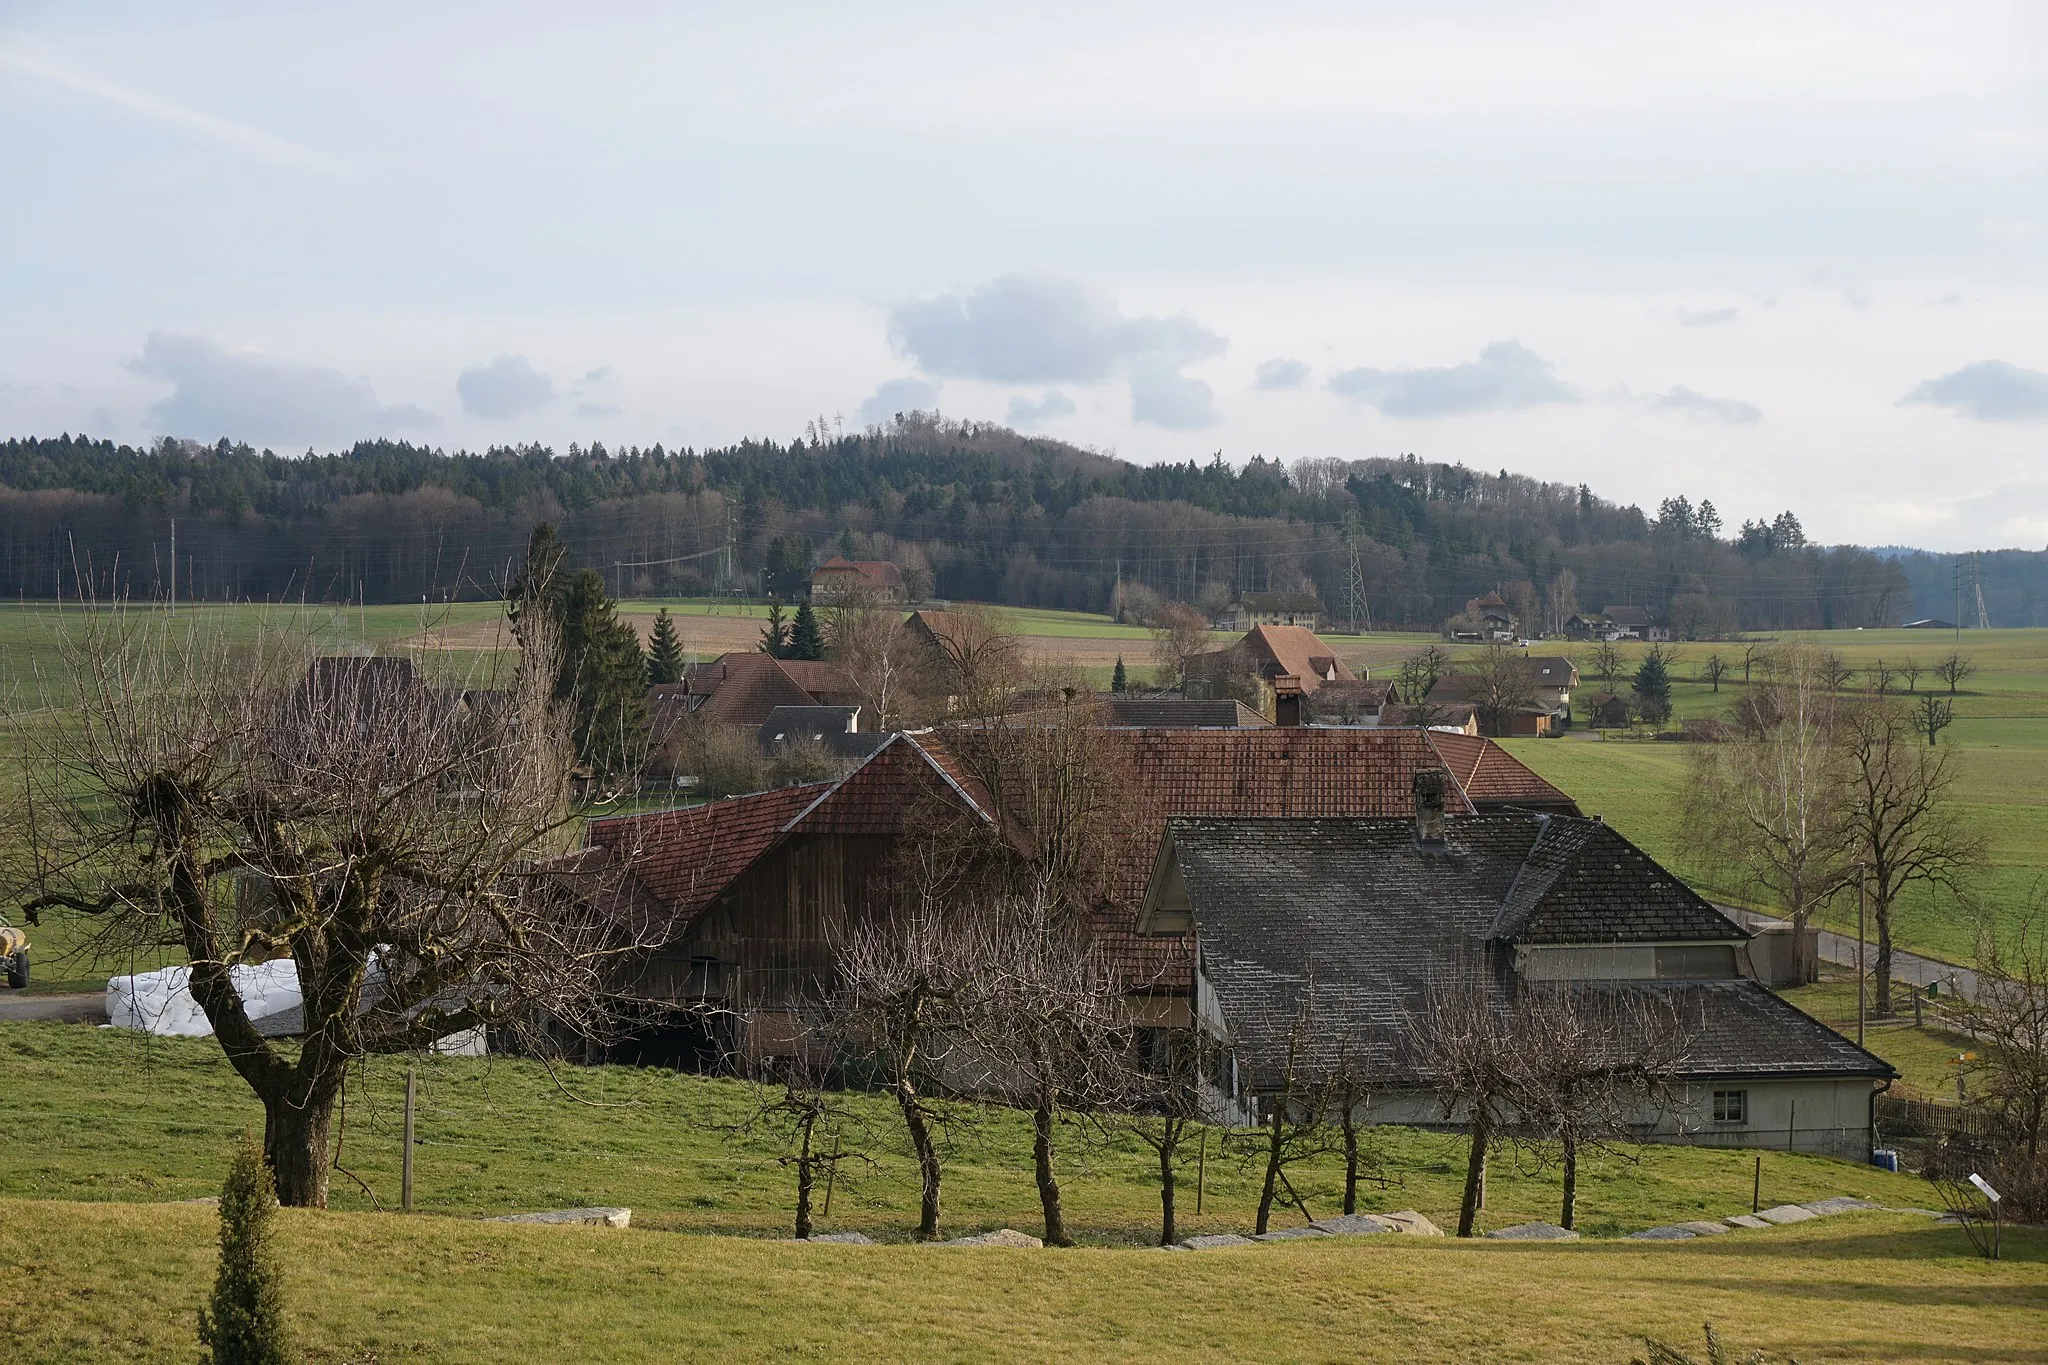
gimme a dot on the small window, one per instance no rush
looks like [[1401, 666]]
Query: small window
[[1731, 1106]]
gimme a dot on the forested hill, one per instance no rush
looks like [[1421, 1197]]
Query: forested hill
[[986, 513]]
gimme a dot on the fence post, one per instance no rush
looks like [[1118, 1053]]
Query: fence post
[[1756, 1188], [405, 1164], [1201, 1169]]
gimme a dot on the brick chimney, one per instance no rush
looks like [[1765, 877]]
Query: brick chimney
[[1429, 806], [1287, 700]]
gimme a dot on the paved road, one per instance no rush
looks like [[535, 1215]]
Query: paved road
[[1910, 968], [65, 1009]]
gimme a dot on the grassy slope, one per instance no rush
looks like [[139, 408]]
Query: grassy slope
[[98, 1282], [1922, 1054], [98, 1115], [2001, 732]]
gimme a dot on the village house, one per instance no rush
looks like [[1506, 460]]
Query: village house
[[1268, 653], [1551, 680], [756, 889], [739, 689], [1485, 620], [1345, 922], [840, 579], [1618, 623], [1251, 609]]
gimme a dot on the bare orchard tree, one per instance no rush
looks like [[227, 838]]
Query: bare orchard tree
[[1904, 827], [787, 1058], [1588, 1065], [1466, 1048], [1713, 670], [1883, 677], [247, 801], [1161, 1105], [1502, 685], [1294, 1127], [1955, 669], [1911, 670], [1933, 715], [909, 987], [970, 665], [1417, 674], [1608, 662], [1771, 807], [1348, 1087], [1051, 1030]]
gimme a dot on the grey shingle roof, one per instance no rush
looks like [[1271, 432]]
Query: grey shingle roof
[[1182, 713], [1352, 916]]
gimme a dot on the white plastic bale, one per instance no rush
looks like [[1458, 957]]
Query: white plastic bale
[[161, 1002]]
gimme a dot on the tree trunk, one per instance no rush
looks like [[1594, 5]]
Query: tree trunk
[[1169, 1142], [1475, 1174], [1882, 1006], [1272, 1170], [927, 1158], [1048, 1186], [805, 1178], [1350, 1160], [1571, 1180], [295, 1145]]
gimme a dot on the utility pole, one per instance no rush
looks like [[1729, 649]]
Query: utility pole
[[1361, 611], [405, 1165], [1959, 599], [174, 566]]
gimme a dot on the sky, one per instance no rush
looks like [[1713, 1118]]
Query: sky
[[1776, 256]]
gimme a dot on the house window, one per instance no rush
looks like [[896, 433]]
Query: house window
[[1731, 1106]]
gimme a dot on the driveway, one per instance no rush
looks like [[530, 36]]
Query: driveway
[[64, 1009], [1840, 949]]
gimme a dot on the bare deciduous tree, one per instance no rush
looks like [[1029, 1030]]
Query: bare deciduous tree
[[1502, 685], [1955, 669], [1588, 1065], [1832, 670], [1160, 1105], [1902, 827], [246, 801], [1771, 807], [1713, 670], [1466, 1049], [787, 1060], [1883, 677], [1294, 1127], [1911, 670], [973, 664], [1417, 674], [1179, 633], [1607, 661], [1932, 716], [2007, 1018], [865, 635]]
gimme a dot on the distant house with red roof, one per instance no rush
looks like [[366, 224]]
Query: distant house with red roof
[[739, 689], [839, 579], [1270, 653]]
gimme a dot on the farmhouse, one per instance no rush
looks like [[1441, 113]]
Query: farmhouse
[[840, 579], [755, 889], [1269, 653], [1344, 922], [1272, 609]]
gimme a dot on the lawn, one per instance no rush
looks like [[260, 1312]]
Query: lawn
[[84, 1282], [1923, 1053], [101, 1115], [2001, 733]]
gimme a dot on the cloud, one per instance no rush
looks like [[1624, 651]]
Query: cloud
[[1988, 391], [1506, 377], [909, 394], [1166, 398], [1281, 374], [1679, 398], [239, 137], [1049, 329], [598, 410], [1031, 412], [507, 387], [1711, 317], [260, 399]]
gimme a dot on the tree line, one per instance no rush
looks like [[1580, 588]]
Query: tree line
[[971, 510]]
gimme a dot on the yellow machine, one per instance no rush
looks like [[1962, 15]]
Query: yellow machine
[[14, 952]]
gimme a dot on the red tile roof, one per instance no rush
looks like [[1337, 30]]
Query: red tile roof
[[875, 572], [687, 857], [744, 687]]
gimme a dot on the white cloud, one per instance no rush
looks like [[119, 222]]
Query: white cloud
[[1050, 406], [1988, 391], [908, 394], [261, 399], [507, 387], [1709, 317], [1281, 374], [1038, 329], [1506, 377], [1679, 398]]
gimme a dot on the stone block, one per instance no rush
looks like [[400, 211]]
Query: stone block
[[1001, 1237], [1538, 1231], [1703, 1227], [1841, 1203], [1288, 1234], [1413, 1223], [1354, 1225], [599, 1218], [1674, 1233], [1213, 1240], [1748, 1220], [850, 1239], [1788, 1213]]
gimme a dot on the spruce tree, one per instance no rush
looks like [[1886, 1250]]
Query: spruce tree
[[775, 635], [600, 668], [806, 640], [664, 651], [243, 1324], [1653, 688], [1119, 680]]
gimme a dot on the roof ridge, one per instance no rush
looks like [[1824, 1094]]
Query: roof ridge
[[1507, 899], [832, 787], [1471, 806]]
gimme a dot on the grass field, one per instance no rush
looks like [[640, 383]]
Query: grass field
[[95, 1114], [84, 1282]]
